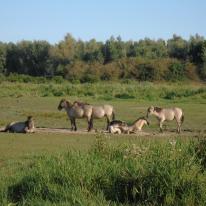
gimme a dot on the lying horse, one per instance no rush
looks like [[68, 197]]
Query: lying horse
[[167, 114], [21, 127], [118, 126], [78, 110]]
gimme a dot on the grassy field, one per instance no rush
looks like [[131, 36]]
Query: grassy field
[[19, 152]]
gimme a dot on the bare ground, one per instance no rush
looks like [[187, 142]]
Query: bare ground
[[185, 132]]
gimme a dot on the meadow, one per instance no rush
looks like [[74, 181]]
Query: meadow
[[102, 169]]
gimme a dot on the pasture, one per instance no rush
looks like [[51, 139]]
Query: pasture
[[22, 152]]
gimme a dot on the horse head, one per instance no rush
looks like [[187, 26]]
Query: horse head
[[150, 111], [63, 104]]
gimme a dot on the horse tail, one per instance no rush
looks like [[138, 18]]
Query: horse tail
[[113, 115], [182, 118]]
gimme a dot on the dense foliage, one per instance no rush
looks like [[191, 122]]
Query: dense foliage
[[155, 173], [57, 87], [90, 61]]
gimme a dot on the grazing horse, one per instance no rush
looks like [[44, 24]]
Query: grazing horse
[[78, 110], [21, 127], [167, 114], [118, 126]]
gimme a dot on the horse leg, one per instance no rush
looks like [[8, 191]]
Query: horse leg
[[178, 126], [72, 124], [161, 124], [88, 122], [108, 121], [75, 126], [26, 130], [90, 126]]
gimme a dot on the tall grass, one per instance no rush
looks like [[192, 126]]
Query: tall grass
[[150, 173], [106, 91]]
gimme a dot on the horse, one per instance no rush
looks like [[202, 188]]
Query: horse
[[137, 125], [21, 127], [79, 110], [118, 126], [167, 114]]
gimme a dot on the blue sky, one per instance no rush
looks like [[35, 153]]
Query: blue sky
[[86, 19]]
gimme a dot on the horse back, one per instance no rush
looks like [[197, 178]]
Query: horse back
[[171, 113], [108, 109], [178, 112], [80, 111], [17, 127]]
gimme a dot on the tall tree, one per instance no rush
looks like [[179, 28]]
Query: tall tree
[[28, 57], [3, 50], [178, 47]]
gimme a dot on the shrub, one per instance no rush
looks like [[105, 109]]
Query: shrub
[[89, 78], [160, 174], [58, 79], [146, 72], [201, 151], [176, 72], [124, 96]]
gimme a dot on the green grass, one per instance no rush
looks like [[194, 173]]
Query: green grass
[[87, 176], [107, 90], [148, 173]]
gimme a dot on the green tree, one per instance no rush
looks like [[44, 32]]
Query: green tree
[[3, 51], [93, 51], [148, 48], [196, 49], [28, 57], [178, 47], [114, 49]]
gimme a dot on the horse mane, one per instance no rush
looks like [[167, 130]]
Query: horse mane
[[81, 104], [140, 118], [68, 103], [157, 109]]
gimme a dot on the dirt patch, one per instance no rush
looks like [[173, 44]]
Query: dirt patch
[[185, 132]]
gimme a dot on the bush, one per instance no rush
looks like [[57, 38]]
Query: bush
[[124, 96], [160, 174], [89, 78], [176, 72], [201, 151]]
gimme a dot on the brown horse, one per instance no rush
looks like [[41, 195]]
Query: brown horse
[[21, 127], [79, 110], [167, 114], [118, 126]]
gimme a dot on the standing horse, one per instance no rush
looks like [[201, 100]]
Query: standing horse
[[21, 127], [79, 110], [167, 114]]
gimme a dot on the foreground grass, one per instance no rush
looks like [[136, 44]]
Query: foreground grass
[[148, 173]]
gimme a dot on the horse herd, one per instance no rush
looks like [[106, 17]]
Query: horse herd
[[78, 110]]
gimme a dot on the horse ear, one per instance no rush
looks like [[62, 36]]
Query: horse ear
[[68, 103]]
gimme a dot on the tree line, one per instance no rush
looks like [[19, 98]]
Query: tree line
[[90, 61]]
